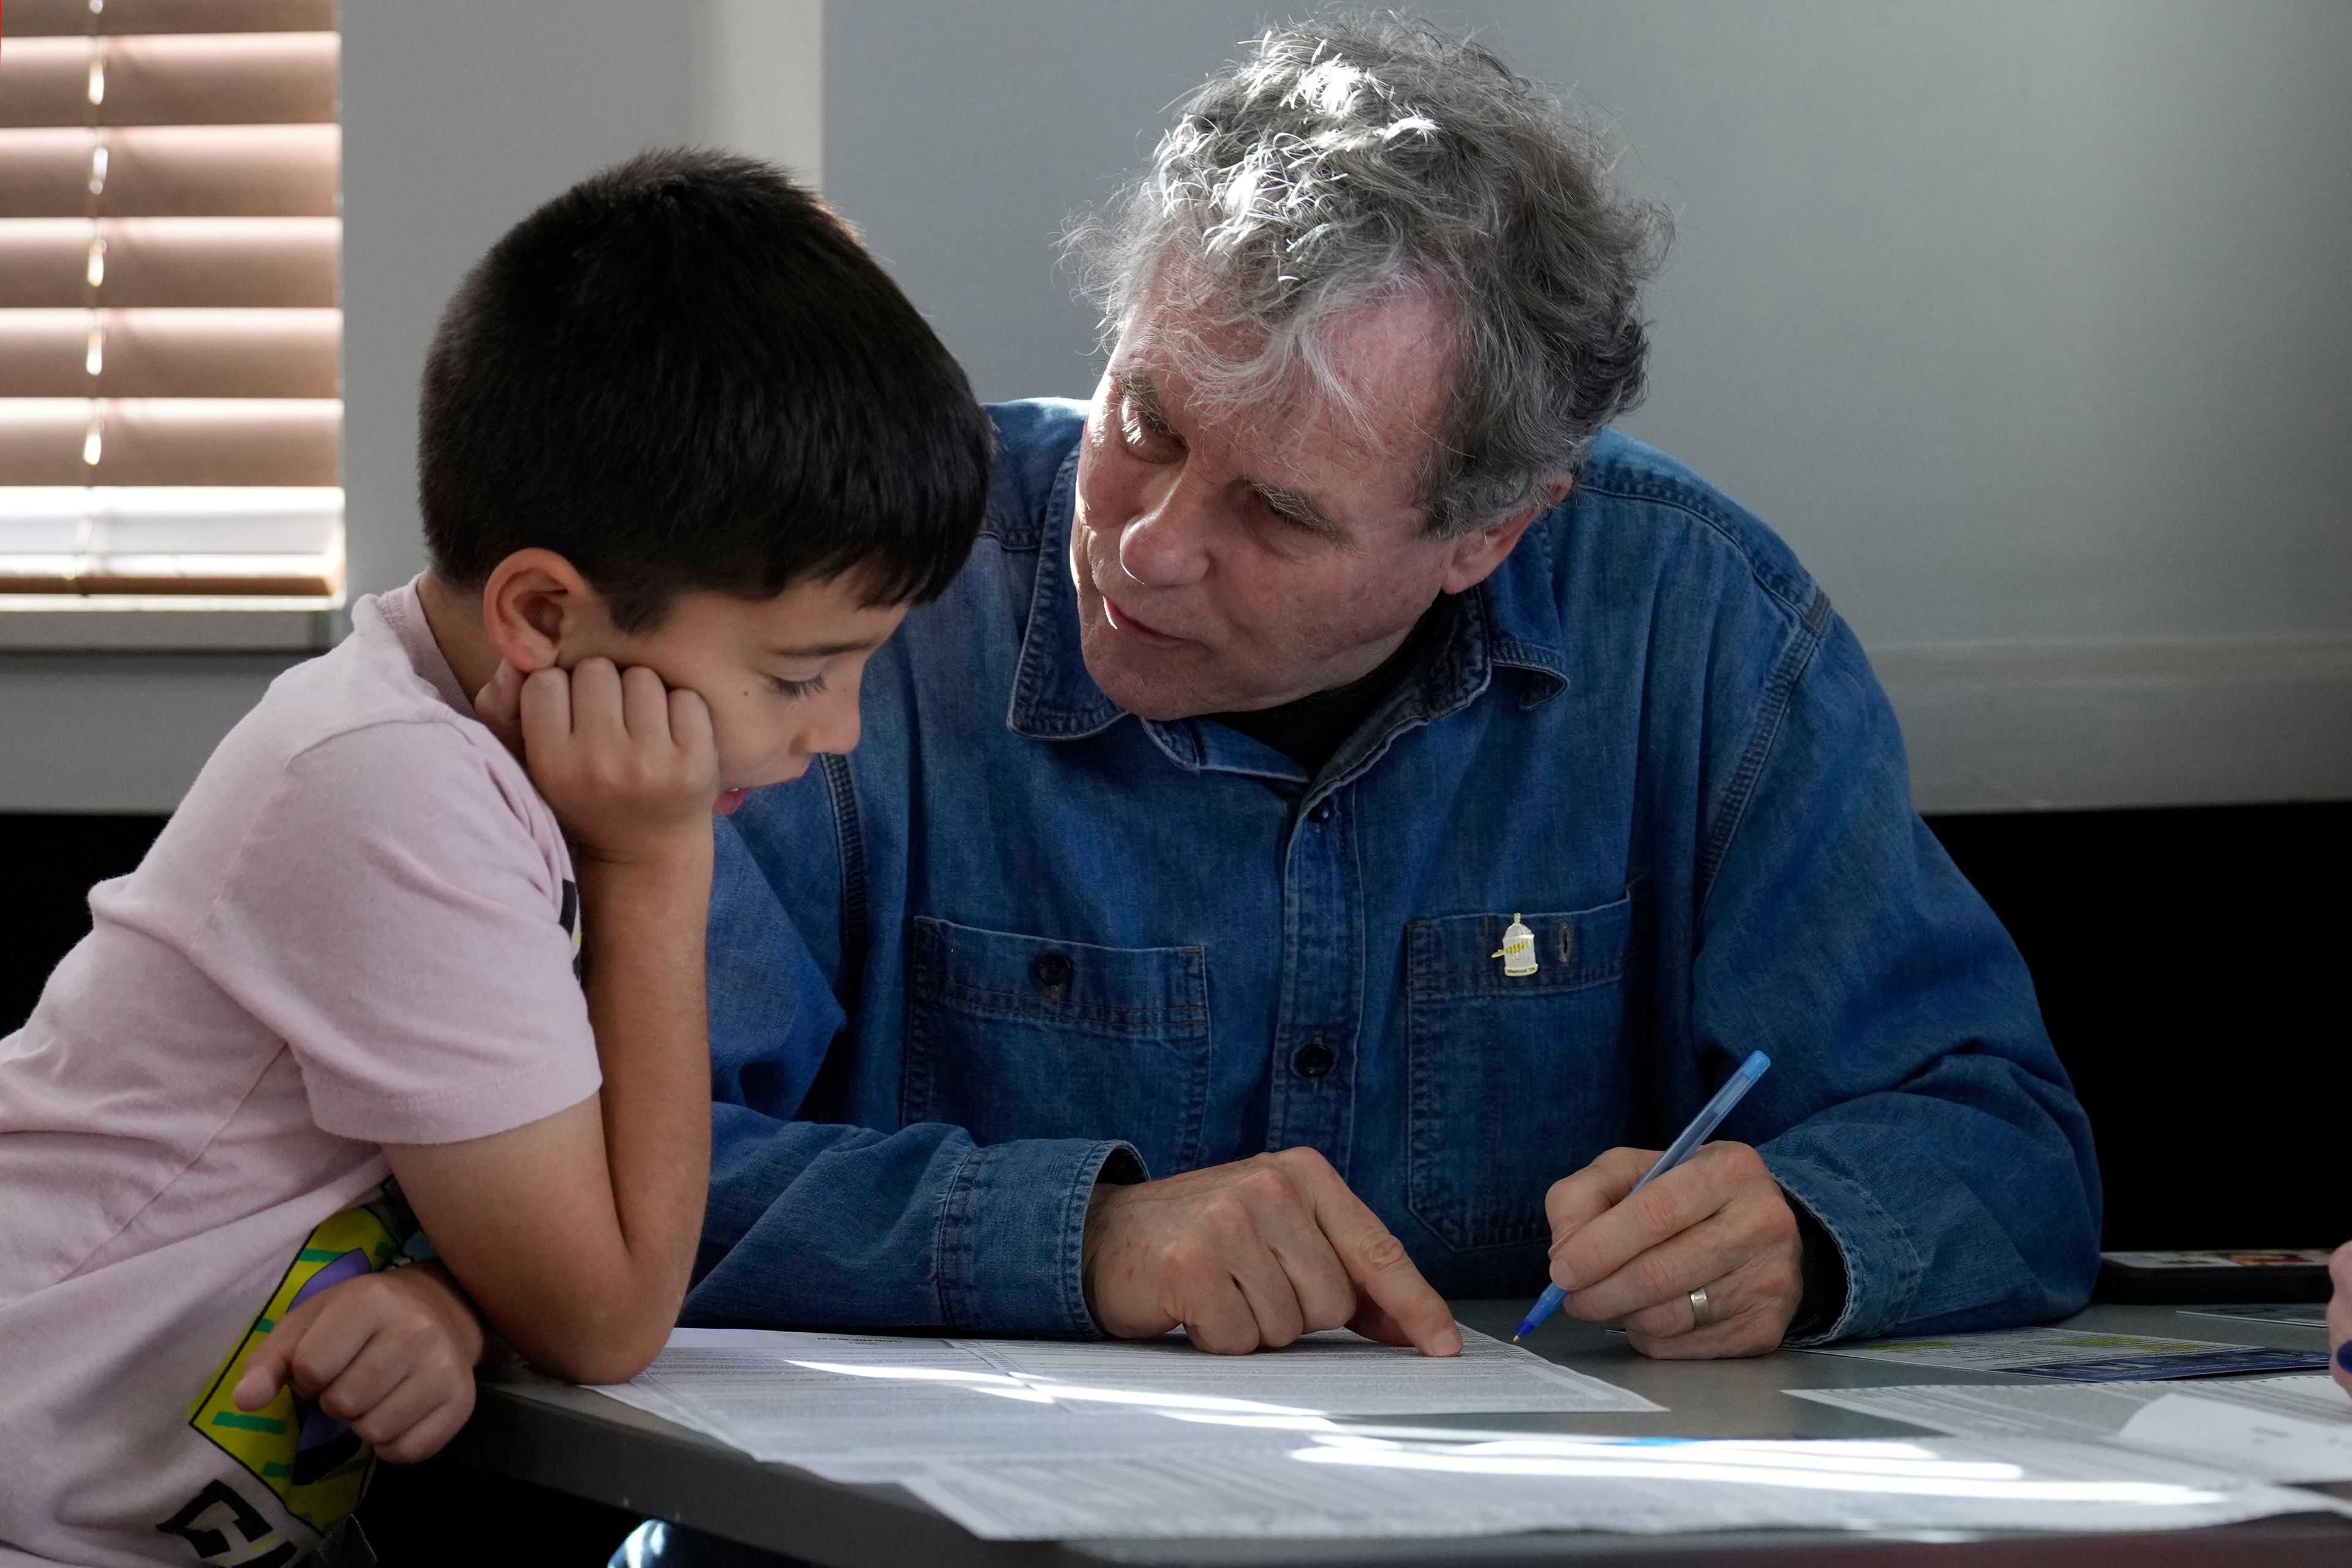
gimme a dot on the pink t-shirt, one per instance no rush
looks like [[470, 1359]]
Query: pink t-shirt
[[358, 929]]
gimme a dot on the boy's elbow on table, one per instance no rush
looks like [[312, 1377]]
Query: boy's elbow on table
[[616, 1360], [601, 1344]]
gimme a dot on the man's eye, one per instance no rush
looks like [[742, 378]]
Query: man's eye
[[790, 689], [1143, 434], [1294, 518]]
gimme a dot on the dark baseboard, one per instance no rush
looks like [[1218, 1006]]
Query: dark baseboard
[[50, 863], [2190, 963]]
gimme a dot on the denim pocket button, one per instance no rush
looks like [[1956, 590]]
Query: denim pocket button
[[1011, 1036], [1314, 1058]]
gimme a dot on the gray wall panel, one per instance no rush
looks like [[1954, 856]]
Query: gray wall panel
[[2024, 321]]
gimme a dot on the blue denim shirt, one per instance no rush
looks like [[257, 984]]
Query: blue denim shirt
[[1022, 940]]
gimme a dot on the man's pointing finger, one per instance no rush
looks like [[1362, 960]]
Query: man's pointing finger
[[1378, 1263]]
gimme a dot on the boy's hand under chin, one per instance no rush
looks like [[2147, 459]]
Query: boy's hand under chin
[[392, 1353], [628, 765], [499, 705]]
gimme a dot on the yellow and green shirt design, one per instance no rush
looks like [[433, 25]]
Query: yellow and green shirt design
[[317, 1464]]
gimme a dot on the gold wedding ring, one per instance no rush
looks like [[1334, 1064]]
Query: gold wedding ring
[[1702, 1314]]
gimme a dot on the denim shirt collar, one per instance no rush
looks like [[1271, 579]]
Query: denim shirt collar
[[1509, 621]]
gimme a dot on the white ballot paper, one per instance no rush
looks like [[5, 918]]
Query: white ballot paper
[[2240, 1436], [1023, 1439], [871, 1407], [2277, 1429], [1345, 1484], [1331, 1373]]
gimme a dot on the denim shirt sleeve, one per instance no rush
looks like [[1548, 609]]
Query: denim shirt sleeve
[[813, 1226], [1925, 1120], [819, 1225]]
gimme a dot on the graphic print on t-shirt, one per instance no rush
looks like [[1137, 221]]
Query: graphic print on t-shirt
[[316, 1464], [569, 917], [227, 1532]]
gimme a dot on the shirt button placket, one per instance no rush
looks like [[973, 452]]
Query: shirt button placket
[[1313, 1092]]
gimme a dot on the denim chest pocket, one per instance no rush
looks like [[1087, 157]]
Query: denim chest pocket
[[1513, 1078], [1024, 1036]]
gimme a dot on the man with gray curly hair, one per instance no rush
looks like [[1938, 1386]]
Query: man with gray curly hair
[[1355, 807], [1318, 181]]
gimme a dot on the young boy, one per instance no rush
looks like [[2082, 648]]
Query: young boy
[[421, 953]]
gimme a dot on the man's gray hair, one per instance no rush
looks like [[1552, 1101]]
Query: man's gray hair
[[1352, 159]]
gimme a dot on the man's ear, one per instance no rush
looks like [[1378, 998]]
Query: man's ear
[[1477, 553], [535, 605]]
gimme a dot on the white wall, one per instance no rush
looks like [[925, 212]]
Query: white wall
[[458, 118], [2029, 322], [758, 81]]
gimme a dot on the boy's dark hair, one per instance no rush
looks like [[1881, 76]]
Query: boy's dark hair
[[685, 372]]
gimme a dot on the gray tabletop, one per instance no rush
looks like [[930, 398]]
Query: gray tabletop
[[535, 1429]]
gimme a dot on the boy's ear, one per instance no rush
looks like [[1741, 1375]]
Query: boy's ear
[[535, 605]]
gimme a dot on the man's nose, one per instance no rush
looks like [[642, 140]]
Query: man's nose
[[1167, 547]]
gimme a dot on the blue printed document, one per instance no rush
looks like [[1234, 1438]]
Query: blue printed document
[[2179, 1363], [2079, 1356]]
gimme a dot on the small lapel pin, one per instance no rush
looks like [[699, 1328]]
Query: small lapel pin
[[1518, 949]]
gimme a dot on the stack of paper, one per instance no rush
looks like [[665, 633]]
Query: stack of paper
[[1340, 1485], [1026, 1439], [2277, 1428]]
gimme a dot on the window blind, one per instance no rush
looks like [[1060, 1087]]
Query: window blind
[[170, 341]]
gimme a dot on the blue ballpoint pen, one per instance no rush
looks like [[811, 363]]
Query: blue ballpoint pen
[[1701, 1128]]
